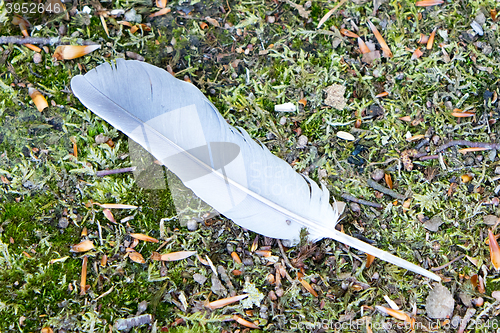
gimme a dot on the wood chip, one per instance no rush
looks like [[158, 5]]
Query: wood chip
[[83, 278], [494, 250], [308, 287], [161, 12], [173, 256], [67, 52], [84, 246], [145, 238], [416, 54], [398, 314], [225, 301], [430, 42], [236, 257], [107, 213], [385, 48], [369, 260], [427, 3], [212, 21], [38, 99], [244, 322], [136, 257], [348, 33]]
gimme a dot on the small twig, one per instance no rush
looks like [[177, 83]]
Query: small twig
[[434, 269], [349, 197], [429, 157], [489, 145], [384, 190], [19, 40], [99, 228], [422, 143], [283, 254], [103, 173]]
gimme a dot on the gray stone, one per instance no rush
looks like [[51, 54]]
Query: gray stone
[[439, 303], [434, 223]]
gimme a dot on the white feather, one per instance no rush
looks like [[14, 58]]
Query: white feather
[[222, 165]]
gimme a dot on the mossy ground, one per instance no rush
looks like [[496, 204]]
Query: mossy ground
[[289, 59]]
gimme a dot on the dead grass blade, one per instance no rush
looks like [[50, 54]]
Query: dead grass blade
[[330, 13], [115, 206]]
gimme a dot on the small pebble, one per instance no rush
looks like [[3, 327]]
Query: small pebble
[[63, 223], [37, 58], [199, 278], [439, 303], [142, 307], [247, 262], [355, 208], [477, 28], [302, 142], [192, 225], [496, 295], [435, 139], [283, 120], [29, 185], [132, 16], [230, 248], [63, 29], [490, 220], [263, 312], [117, 12], [322, 174], [480, 18], [434, 223], [469, 161], [280, 292], [101, 138], [272, 296], [378, 174], [478, 302], [271, 19]]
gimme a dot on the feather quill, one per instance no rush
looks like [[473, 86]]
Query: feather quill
[[221, 164]]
